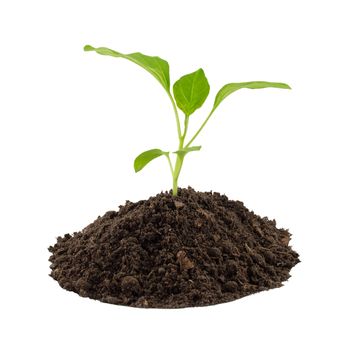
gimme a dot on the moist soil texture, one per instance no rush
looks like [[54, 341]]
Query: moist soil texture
[[195, 249]]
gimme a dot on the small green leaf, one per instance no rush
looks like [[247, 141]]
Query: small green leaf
[[155, 65], [191, 91], [228, 89], [144, 158], [186, 150]]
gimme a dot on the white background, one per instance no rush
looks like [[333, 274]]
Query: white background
[[72, 123]]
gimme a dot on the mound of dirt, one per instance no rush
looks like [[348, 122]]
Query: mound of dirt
[[196, 249]]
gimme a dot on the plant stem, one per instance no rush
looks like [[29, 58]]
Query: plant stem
[[170, 164], [179, 158], [185, 130], [176, 115], [177, 170], [200, 129]]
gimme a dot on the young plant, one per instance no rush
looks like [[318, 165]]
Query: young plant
[[189, 94]]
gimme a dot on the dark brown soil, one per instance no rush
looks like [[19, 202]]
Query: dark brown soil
[[193, 250]]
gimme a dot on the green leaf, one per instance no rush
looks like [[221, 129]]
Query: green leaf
[[228, 89], [191, 91], [184, 151], [144, 158], [155, 65]]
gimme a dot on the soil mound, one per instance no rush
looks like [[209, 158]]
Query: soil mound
[[197, 249]]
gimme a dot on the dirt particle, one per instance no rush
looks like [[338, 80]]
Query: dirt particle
[[214, 252], [178, 204], [230, 286], [130, 285], [184, 261], [161, 270]]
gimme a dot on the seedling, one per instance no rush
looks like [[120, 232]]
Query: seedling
[[189, 93]]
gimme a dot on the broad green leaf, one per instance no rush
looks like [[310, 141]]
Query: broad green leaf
[[228, 89], [191, 91], [155, 65], [186, 150], [144, 158]]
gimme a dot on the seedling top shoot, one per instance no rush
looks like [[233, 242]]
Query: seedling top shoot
[[188, 94]]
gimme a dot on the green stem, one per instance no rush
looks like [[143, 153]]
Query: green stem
[[179, 158], [185, 130], [200, 129], [176, 115], [177, 170], [170, 164]]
